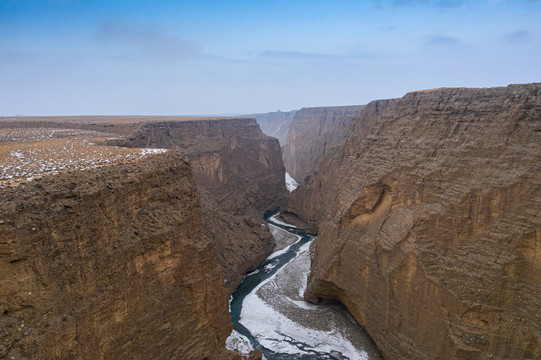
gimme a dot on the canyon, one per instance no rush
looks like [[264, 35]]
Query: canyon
[[147, 272], [428, 220], [275, 124], [110, 262], [239, 175], [124, 236], [312, 134]]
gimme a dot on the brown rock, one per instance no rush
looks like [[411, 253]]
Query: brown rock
[[239, 174], [313, 132], [238, 171], [116, 267], [429, 224]]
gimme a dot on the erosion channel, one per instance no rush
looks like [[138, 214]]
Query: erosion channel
[[270, 314]]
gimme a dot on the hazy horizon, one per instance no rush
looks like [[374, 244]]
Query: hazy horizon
[[242, 57]]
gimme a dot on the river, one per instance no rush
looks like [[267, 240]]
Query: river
[[270, 314]]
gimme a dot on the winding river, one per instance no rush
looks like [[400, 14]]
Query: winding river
[[270, 314]]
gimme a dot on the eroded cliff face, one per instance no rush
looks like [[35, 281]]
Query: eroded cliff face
[[275, 124], [430, 224], [313, 132], [110, 263], [239, 174]]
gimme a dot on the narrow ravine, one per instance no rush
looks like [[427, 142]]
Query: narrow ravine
[[270, 314]]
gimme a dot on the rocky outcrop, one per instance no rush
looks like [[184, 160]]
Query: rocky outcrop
[[275, 124], [239, 175], [430, 224], [110, 263], [313, 132]]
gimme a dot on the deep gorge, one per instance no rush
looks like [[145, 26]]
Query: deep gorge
[[426, 210]]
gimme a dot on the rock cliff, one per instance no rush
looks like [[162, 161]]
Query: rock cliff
[[110, 263], [313, 132], [429, 219], [239, 174], [275, 124]]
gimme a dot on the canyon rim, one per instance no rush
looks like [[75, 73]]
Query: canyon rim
[[426, 209]]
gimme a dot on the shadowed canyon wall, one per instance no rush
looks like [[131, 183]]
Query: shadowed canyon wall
[[275, 124], [430, 225], [239, 174], [313, 132], [110, 263]]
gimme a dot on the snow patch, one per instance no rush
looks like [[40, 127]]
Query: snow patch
[[252, 272], [237, 341], [275, 331], [149, 151], [284, 250], [269, 267], [280, 222], [304, 280], [17, 154], [291, 184]]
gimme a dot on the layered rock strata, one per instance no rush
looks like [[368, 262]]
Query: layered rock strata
[[430, 224], [275, 124], [312, 134], [110, 263], [239, 174]]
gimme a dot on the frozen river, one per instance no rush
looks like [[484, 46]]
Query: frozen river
[[270, 314]]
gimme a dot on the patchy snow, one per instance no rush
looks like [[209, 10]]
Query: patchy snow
[[275, 331], [274, 230], [17, 154], [291, 184], [280, 222], [283, 251], [252, 272], [237, 341], [269, 267], [26, 154], [149, 151], [304, 279]]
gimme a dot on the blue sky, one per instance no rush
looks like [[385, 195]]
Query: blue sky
[[61, 57]]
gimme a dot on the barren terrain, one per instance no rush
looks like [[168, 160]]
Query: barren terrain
[[26, 153]]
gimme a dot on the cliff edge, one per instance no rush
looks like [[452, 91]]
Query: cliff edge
[[110, 262], [239, 175], [430, 225]]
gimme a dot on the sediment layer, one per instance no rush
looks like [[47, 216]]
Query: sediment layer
[[429, 223], [312, 134], [110, 262], [239, 174]]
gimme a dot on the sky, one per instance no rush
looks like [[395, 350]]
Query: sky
[[164, 57]]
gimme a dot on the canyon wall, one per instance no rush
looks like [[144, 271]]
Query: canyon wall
[[430, 225], [239, 174], [110, 263], [313, 132], [275, 124]]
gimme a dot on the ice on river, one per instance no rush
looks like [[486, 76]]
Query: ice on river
[[284, 240], [239, 342], [281, 320], [275, 219], [291, 184]]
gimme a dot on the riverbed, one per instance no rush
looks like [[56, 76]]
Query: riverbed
[[269, 312]]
